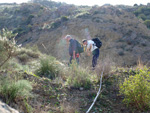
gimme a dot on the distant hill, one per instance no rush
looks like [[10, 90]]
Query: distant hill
[[124, 35]]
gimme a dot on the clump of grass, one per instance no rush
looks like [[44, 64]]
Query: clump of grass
[[23, 57], [33, 54], [10, 89], [136, 89], [48, 68], [78, 77], [29, 52]]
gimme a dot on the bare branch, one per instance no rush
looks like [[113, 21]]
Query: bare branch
[[97, 92]]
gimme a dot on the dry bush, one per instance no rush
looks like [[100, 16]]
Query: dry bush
[[140, 64], [106, 64]]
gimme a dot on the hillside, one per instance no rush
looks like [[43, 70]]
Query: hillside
[[36, 77], [32, 82], [125, 38]]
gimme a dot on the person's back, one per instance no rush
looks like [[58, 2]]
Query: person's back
[[72, 46], [92, 48], [89, 43], [72, 49]]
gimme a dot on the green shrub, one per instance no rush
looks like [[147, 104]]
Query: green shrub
[[10, 90], [142, 16], [78, 77], [64, 18], [56, 24], [136, 89], [48, 68], [147, 23]]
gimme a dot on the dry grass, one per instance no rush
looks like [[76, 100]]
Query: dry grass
[[78, 77], [67, 107], [107, 64], [140, 64]]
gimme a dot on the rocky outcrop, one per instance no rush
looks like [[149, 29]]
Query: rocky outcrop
[[4, 108]]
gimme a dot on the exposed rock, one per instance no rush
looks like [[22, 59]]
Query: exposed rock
[[4, 108]]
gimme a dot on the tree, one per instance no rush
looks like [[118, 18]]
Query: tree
[[135, 5]]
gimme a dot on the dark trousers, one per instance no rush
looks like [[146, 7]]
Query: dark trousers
[[71, 58], [95, 53]]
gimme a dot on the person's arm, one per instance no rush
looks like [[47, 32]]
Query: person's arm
[[89, 50]]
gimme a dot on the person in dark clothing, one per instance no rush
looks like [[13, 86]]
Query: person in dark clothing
[[92, 48], [73, 52]]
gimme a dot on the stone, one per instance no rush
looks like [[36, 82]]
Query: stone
[[4, 108]]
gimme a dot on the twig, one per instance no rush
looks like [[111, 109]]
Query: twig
[[97, 92], [5, 61], [45, 48]]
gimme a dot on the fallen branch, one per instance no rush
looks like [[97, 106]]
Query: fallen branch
[[97, 93], [45, 48]]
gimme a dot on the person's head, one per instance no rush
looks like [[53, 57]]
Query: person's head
[[84, 41], [68, 37]]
